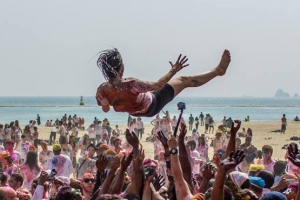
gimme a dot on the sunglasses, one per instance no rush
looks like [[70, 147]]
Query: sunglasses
[[87, 180]]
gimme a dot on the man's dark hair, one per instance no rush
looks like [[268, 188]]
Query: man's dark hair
[[267, 149], [91, 145], [109, 62], [18, 177], [279, 167], [267, 176], [192, 144], [66, 192]]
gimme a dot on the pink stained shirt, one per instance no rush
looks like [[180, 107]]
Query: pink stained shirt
[[269, 167]]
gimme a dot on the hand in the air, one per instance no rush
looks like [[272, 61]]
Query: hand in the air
[[173, 142], [232, 161], [114, 163], [180, 63], [101, 163], [162, 138], [216, 159], [234, 129], [132, 139], [182, 131], [208, 172], [139, 158], [43, 178], [125, 161], [158, 182]]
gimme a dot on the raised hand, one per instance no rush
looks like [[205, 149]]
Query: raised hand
[[162, 138], [114, 163], [208, 171], [281, 185], [43, 177], [216, 159], [139, 158], [294, 155], [101, 163], [180, 63], [125, 161], [150, 191], [234, 129], [173, 142], [158, 182], [232, 161], [132, 139], [182, 131]]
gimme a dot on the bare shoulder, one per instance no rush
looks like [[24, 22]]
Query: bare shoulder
[[103, 85]]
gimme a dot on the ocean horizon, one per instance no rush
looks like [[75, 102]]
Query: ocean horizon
[[25, 108]]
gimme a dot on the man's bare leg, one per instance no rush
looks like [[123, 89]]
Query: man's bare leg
[[180, 83]]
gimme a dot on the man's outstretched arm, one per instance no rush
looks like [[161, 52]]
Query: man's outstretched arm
[[180, 63]]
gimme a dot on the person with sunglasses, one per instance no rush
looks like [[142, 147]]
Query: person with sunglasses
[[87, 184]]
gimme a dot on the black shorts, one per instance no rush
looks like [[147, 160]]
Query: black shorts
[[160, 98], [36, 143], [206, 126]]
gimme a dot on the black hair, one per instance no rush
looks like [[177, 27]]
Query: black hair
[[18, 177], [72, 142], [192, 144], [109, 62], [267, 176], [279, 167], [66, 192], [32, 160], [91, 145]]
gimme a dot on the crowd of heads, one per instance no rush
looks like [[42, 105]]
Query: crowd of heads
[[102, 165]]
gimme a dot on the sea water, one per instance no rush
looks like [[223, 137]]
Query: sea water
[[258, 109]]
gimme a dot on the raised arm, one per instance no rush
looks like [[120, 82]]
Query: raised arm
[[117, 187], [181, 186], [113, 166], [227, 164], [137, 179], [136, 185], [184, 157], [100, 164], [233, 131], [180, 63]]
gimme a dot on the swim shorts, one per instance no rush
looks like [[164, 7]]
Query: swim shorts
[[160, 98]]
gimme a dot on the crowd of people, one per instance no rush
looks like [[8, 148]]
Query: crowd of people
[[99, 165]]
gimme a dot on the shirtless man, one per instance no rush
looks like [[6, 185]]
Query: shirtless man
[[143, 98], [283, 124]]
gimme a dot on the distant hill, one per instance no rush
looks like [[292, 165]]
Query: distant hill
[[281, 93], [296, 95]]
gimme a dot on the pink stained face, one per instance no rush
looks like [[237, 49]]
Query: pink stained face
[[9, 146]]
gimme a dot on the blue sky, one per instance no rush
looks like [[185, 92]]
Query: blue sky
[[48, 47]]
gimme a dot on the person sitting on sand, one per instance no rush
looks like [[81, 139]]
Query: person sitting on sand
[[296, 119], [142, 98]]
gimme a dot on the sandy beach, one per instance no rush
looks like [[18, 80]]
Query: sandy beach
[[261, 131]]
